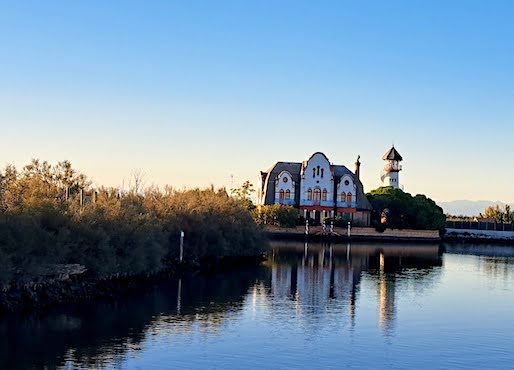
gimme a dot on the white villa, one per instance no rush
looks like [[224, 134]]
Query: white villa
[[317, 188]]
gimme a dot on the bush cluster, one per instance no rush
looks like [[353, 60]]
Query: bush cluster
[[50, 216], [276, 214]]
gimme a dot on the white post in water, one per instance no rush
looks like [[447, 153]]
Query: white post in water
[[349, 229], [179, 295], [181, 246], [306, 227]]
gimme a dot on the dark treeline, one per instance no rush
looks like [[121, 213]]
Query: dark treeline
[[396, 209], [51, 217]]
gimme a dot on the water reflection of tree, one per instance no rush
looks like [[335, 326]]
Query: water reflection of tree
[[500, 268], [496, 261], [97, 335]]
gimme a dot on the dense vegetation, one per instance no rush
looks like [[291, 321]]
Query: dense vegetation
[[499, 214], [496, 213], [276, 214], [402, 210], [50, 216]]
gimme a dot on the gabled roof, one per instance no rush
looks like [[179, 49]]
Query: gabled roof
[[293, 168], [392, 155], [362, 200]]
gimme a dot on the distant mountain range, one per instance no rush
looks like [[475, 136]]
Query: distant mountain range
[[467, 207]]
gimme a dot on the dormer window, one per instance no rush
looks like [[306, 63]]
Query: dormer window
[[322, 171]]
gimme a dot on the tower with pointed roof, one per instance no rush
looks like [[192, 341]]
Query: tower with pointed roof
[[391, 174]]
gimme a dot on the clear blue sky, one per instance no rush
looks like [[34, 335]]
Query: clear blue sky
[[191, 92]]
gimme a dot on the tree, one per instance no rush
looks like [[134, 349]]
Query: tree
[[245, 191], [243, 194], [66, 177], [406, 211], [499, 214]]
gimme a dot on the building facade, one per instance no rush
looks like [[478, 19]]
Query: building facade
[[317, 188]]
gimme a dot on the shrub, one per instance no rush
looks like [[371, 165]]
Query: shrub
[[276, 214]]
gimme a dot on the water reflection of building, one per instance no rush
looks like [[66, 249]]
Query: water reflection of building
[[317, 277], [386, 294]]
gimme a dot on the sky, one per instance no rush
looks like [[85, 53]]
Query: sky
[[193, 93]]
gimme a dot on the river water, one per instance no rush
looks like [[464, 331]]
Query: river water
[[364, 306]]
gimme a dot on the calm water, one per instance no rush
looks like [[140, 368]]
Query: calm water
[[370, 307]]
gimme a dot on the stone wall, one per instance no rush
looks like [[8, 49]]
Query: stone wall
[[359, 232], [396, 233]]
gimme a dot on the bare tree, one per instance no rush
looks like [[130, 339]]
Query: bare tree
[[136, 181]]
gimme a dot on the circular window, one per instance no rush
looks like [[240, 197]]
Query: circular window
[[285, 179], [346, 182]]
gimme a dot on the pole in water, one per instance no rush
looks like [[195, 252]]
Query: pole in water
[[306, 227], [181, 246], [179, 295], [349, 229]]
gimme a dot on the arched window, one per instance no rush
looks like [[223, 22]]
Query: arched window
[[281, 195], [288, 194], [324, 194], [318, 170], [317, 194], [343, 197], [313, 172], [349, 197], [322, 171], [309, 194]]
